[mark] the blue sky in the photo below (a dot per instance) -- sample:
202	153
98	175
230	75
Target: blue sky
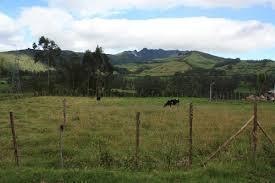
243	29
13	7
260	12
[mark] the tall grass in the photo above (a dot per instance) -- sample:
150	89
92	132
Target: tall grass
102	134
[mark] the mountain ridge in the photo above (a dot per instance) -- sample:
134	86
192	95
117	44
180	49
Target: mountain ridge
143	55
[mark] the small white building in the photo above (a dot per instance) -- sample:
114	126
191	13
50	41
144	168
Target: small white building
271	92
271	95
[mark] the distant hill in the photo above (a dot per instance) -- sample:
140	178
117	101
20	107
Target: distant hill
189	60
157	62
168	66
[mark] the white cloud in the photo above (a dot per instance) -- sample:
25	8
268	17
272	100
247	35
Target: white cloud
197	33
107	7
43	21
10	34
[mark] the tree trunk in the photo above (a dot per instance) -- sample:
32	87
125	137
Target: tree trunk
73	83
98	94
48	75
96	89
88	85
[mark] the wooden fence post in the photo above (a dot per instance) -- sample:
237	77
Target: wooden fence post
15	146
64	112
254	131
190	133
61	129
137	138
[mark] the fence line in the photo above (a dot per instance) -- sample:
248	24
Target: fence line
61	130
253	119
266	135
137	137
190	134
228	141
65	112
15	146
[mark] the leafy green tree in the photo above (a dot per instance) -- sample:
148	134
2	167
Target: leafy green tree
47	51
2	60
99	68
90	67
149	86
104	70
262	79
72	72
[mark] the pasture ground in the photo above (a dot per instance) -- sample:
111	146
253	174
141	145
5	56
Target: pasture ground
99	141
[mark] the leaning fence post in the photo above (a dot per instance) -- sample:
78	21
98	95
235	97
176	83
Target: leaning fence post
254	131
15	146
266	135
137	137
64	112
61	129
228	141
190	133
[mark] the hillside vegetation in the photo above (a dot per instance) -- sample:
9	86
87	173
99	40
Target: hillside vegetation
249	67
198	60
160	67
25	63
169	66
156	62
147	73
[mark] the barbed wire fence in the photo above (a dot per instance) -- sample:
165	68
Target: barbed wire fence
182	148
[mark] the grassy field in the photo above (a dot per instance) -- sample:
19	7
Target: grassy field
99	141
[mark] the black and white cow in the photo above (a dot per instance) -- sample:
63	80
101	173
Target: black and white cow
172	102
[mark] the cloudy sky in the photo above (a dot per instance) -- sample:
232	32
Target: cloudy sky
230	28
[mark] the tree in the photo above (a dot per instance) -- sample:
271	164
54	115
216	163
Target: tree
98	66
71	72
90	67
262	79
47	51
104	70
149	86
2	70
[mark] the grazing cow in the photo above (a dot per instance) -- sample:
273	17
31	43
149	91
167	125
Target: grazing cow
172	102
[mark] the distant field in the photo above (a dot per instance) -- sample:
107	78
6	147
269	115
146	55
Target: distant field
99	141
169	66
25	63
250	68
157	69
